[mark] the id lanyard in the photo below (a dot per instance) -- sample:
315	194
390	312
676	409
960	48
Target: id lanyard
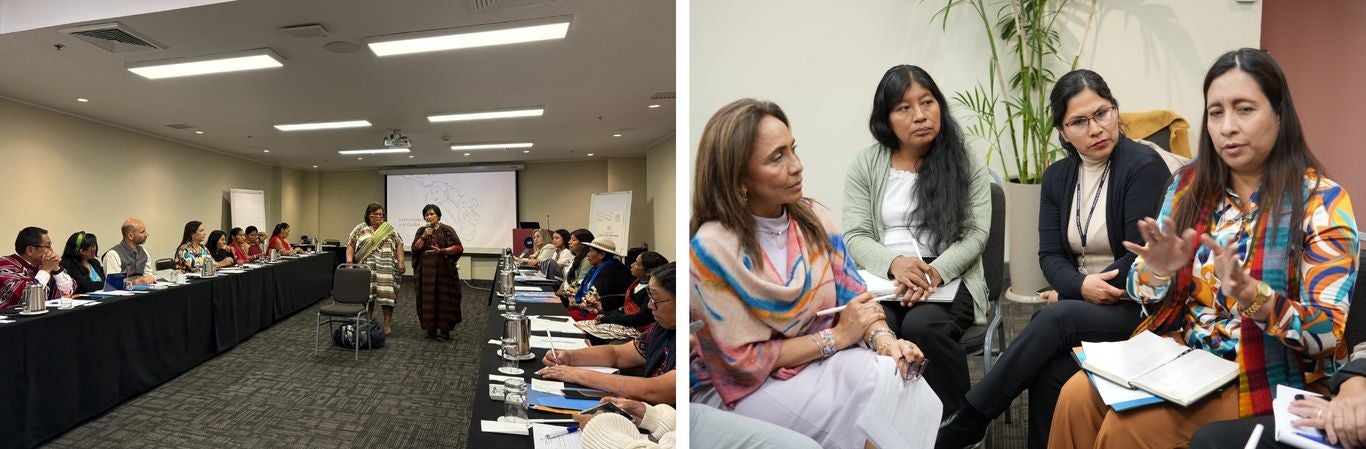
1082	229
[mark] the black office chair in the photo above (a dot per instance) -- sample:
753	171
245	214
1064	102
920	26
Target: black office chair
165	264
350	296
988	341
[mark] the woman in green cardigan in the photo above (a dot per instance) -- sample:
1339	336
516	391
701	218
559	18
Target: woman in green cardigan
916	210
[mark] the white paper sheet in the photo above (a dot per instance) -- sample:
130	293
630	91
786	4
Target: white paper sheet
539	432
1286	432
526	288
901	414
548	386
487	426
560	343
74	302
539	324
600	369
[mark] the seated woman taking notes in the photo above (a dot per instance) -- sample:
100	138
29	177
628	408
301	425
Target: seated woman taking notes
765	260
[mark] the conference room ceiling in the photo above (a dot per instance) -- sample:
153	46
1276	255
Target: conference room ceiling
596	82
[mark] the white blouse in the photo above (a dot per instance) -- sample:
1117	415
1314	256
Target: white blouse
898	204
772	236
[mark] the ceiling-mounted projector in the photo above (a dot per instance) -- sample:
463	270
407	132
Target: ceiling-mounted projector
396	140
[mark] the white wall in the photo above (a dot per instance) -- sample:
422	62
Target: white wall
560	189
68	174
662	199
821	60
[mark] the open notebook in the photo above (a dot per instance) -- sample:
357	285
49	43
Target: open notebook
1159	366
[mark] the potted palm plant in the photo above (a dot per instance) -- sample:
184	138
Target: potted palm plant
1010	113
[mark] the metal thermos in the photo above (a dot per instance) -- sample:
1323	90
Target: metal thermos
35	299
518	326
210	266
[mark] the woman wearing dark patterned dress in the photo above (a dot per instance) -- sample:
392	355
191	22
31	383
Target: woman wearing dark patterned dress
436	251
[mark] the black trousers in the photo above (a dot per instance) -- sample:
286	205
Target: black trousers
936	328
1040	359
1234	434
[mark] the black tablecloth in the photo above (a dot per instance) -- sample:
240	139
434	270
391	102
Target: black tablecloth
64	367
486	409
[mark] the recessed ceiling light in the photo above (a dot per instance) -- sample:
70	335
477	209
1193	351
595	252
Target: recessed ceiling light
82	100
492	146
267	151
411	156
526	151
360	158
590	154
248	60
654	106
468	37
322	125
315	166
485	115
467	154
199	132
616	135
375	151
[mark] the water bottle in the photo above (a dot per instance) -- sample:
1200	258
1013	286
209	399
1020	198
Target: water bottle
514	401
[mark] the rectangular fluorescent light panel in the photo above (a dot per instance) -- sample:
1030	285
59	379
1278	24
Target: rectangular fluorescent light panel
323	125
492	146
467	116
201	66
375	151
471	39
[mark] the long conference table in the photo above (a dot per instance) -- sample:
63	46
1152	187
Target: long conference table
66	366
488	409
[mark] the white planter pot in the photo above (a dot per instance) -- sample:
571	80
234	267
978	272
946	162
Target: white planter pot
1022	239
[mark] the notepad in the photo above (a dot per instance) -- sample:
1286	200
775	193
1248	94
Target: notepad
1115	395
1159	366
879	286
1286	431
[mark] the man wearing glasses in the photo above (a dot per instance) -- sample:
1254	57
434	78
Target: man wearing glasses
33	261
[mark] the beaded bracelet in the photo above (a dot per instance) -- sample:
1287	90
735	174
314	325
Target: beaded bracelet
872	336
826	341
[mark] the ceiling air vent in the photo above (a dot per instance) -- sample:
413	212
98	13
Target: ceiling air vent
179	126
113	37
478	6
663	96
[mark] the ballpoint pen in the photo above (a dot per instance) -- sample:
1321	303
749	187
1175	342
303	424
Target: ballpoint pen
560	433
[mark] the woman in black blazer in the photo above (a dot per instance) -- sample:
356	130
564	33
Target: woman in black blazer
1090	203
80	260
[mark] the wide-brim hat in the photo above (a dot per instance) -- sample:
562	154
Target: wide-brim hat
605	245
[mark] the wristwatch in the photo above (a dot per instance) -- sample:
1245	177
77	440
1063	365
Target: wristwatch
1264	294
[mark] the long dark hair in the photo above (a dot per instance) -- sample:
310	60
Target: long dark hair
649	260
278	229
584	237
722	165
71	255
214	237
943	180
1283	173
1070	85
564	235
190	229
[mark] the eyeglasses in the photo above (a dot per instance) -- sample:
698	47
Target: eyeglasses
650	292
1081	124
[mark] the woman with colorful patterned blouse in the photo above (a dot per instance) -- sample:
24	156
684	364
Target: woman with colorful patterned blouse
191	255
1253	257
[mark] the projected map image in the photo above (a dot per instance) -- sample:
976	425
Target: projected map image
482	207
